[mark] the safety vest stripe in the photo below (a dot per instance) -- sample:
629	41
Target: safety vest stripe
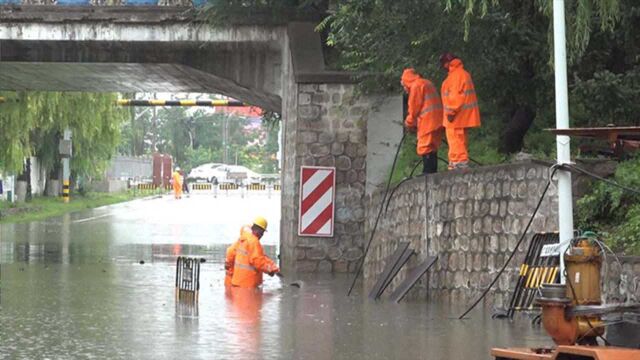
431	108
242	251
430	96
469	106
244	266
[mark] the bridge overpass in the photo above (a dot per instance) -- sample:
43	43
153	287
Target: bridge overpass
277	67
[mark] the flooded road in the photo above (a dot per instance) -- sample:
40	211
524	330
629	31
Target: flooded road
73	288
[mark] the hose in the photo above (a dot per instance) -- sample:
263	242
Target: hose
515	250
375	226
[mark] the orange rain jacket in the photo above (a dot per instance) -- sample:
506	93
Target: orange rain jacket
459	98
177	182
424	111
229	262
250	261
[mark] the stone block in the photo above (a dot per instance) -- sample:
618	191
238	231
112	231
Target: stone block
304	99
325	266
337	148
300	254
343	163
305	266
357	137
316	253
320	98
309	113
308	137
353	253
319	150
336	98
341	266
327	161
326	138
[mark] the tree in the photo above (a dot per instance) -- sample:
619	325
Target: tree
31	124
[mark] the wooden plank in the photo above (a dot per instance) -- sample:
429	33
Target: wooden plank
412	278
391	261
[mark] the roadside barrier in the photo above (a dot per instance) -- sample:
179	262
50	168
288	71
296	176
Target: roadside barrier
228	187
146	186
187	279
256	187
202	186
276	187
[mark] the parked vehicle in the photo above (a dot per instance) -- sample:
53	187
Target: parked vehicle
206	172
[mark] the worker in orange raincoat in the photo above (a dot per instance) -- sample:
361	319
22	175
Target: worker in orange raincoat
461	110
177	183
424	116
250	261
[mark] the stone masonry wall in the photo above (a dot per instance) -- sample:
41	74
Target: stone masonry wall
472	221
330	129
622	280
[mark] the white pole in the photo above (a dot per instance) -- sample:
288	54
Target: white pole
565	205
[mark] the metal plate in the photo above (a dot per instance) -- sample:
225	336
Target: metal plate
412	278
391	262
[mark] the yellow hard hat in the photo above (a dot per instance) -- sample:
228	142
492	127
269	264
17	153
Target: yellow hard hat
260	222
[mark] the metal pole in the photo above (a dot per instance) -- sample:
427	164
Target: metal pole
565	205
66	170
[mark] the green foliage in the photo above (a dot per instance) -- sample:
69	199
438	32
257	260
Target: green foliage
613	211
195	136
31	124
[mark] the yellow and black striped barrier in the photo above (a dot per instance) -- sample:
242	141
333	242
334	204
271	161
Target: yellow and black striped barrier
276	187
65	191
536	269
146	187
228	187
202	186
256	187
154	102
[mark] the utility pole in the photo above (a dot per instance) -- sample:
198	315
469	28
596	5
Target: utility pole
65	149
565	204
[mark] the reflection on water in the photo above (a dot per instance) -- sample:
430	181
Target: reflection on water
77	290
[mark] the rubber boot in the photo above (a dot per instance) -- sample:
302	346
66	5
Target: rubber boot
430	163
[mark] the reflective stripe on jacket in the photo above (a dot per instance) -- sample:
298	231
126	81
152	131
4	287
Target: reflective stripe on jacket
459	98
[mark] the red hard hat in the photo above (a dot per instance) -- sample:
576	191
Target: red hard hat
447	57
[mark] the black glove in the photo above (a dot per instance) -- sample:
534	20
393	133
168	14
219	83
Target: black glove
450	117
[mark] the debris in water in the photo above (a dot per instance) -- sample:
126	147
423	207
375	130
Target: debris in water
203	260
141	262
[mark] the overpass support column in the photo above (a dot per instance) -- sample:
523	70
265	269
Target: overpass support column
326	124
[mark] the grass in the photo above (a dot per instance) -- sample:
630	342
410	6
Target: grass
40	208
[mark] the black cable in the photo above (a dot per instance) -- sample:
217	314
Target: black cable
375	226
598	177
400	183
515	250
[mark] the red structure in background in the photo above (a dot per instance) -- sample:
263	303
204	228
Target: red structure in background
244	111
162	164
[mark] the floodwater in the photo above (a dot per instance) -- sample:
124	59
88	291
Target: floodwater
73	288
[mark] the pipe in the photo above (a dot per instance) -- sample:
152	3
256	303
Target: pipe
563	145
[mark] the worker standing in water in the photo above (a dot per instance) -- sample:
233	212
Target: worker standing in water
461	110
424	116
177	183
249	260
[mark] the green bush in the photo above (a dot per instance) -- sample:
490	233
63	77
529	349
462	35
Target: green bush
613	212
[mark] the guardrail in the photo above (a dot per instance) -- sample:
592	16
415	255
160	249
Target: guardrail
233	189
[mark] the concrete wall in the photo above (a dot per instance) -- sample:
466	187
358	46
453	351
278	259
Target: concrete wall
127	167
108	186
472	221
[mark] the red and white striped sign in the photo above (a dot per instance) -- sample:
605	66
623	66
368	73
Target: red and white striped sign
317	194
